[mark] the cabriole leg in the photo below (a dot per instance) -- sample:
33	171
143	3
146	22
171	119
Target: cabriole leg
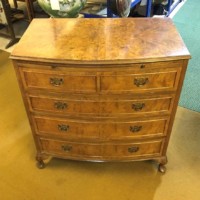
161	168
40	162
161	164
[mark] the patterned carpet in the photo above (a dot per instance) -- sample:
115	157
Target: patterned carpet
187	21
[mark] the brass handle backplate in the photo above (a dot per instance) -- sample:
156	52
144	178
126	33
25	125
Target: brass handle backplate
139	82
133	149
60	105
142	66
135	129
63	127
138	106
66	148
56	81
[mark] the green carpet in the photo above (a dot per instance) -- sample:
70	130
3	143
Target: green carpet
187	21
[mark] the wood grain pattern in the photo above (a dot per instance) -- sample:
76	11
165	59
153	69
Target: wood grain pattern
65	82
128	83
101	41
100	130
102	151
100	106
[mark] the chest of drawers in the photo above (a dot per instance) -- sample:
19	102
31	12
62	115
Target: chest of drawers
101	89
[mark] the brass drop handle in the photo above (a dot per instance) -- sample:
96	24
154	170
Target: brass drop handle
142	66
139	82
138	106
133	149
63	127
56	81
60	105
66	148
135	129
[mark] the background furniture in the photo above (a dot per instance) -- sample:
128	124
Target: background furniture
101	89
6	20
29	7
111	14
171	5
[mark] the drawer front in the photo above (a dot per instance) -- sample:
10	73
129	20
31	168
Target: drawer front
102	151
71	129
63	106
134	129
103	107
67	128
133	83
56	81
133	149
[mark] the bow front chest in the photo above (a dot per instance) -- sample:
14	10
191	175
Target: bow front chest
101	89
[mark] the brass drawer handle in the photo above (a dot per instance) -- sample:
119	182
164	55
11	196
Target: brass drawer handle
56	81
63	127
60	105
133	149
139	82
135	129
138	106
66	148
142	66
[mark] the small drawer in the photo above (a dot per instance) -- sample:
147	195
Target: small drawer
101	107
101	130
59	81
137	106
105	151
148	148
63	105
145	82
134	129
67	128
70	148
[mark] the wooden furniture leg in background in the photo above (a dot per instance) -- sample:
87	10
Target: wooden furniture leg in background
7	12
29	8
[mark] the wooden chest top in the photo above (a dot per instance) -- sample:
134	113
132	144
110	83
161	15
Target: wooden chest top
89	41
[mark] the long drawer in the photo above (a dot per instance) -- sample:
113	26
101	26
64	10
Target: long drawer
100	130
104	151
80	106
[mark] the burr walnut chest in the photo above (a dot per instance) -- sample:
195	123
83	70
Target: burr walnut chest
101	89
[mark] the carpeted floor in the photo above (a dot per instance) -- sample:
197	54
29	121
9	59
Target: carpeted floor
187	21
64	179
